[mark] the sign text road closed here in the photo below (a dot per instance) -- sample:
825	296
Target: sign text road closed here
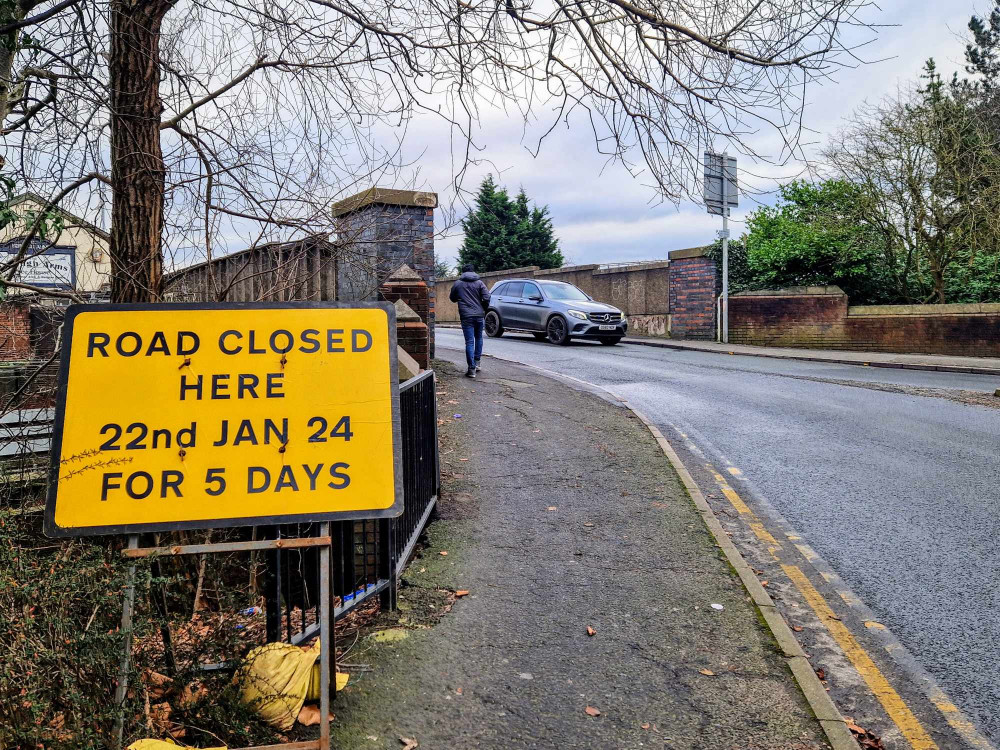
187	416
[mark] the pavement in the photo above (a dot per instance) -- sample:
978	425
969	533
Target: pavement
938	362
887	478
559	513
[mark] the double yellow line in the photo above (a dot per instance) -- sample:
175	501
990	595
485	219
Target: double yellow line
894	705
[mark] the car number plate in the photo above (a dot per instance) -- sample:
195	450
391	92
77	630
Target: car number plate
607	328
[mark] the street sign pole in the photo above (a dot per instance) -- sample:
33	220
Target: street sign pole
725	254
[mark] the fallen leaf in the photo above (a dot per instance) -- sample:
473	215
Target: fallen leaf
443	553
309	716
552	507
159	715
797	628
591	631
821	673
645	726
463	459
588	524
591	711
763	583
707	672
460	593
191	694
158	683
452	401
409	743
458	691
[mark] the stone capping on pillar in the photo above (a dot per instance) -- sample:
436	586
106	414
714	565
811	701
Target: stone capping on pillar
385	197
405	313
689	252
404	274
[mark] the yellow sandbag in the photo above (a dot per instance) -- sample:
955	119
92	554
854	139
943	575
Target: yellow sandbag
159	745
274	679
313	693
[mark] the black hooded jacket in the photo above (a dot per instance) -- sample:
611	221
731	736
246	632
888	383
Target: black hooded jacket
471	294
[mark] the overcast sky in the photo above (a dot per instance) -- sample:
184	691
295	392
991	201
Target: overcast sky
604	215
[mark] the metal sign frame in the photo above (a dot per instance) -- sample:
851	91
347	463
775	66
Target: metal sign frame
35	250
49	525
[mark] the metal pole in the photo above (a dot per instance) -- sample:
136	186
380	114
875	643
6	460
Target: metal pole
325	635
122	689
725	251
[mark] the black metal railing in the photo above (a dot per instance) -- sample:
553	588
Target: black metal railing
367	555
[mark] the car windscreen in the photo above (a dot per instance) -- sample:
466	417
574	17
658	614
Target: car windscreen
563	291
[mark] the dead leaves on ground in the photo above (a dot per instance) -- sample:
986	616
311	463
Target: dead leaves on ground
590	631
409	743
707	672
866	740
591	711
460	593
310	715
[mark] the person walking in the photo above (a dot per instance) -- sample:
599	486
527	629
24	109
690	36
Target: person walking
473	300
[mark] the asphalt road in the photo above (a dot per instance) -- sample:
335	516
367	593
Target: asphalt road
891	475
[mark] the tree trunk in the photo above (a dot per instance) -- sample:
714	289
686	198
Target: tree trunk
937	275
137	170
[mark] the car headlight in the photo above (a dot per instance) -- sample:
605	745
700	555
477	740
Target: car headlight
577	314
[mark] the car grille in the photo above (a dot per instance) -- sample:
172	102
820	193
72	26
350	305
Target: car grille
604	317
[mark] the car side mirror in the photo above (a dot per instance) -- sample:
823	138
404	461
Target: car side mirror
535	298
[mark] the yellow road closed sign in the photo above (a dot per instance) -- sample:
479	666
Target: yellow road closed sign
195	416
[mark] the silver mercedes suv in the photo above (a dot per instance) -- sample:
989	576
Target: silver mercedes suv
552	310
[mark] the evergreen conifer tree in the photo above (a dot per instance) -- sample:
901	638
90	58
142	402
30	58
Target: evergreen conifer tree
501	233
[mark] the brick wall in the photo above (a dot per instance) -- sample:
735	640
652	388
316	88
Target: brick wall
820	318
692	297
15	331
412	336
411	294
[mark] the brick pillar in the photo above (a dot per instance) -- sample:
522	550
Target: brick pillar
411	295
381	230
692	294
15	330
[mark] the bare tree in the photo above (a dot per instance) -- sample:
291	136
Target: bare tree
928	168
208	117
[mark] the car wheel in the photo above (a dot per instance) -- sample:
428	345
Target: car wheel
611	341
494	328
556	331
540	336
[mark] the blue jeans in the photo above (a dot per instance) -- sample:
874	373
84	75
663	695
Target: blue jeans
472	329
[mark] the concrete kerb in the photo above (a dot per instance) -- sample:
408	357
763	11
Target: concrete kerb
827	713
806	358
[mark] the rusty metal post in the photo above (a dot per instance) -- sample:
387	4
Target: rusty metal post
122	688
325	638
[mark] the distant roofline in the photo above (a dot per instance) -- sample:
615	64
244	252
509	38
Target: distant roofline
76	220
